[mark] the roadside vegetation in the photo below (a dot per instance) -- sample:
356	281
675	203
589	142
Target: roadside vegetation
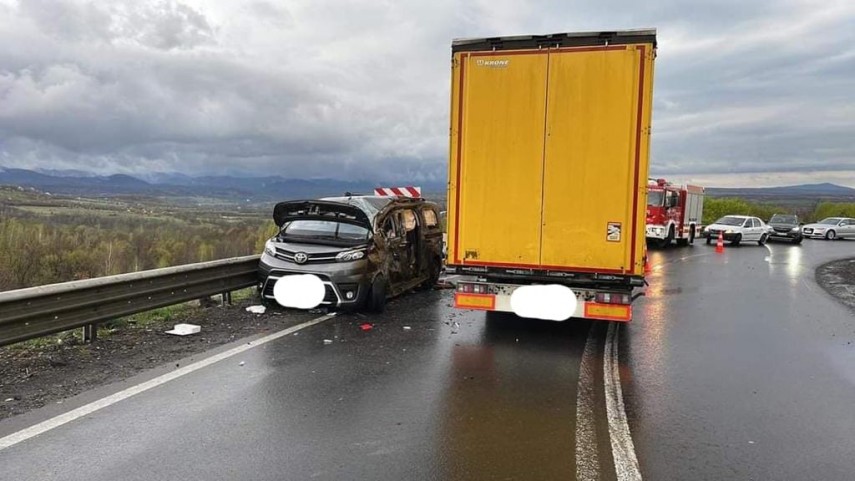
46	240
715	208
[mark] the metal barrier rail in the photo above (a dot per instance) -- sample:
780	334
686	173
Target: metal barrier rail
39	311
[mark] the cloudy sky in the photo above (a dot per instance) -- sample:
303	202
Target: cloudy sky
757	92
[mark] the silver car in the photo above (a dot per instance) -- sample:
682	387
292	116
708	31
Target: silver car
831	228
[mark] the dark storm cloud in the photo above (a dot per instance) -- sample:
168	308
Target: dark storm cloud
360	89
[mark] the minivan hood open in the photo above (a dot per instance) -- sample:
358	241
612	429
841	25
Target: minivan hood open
285	212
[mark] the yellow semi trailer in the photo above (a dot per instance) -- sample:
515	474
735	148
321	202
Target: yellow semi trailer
548	172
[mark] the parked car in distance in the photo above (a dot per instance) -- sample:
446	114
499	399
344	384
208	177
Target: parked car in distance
738	228
831	228
362	249
785	227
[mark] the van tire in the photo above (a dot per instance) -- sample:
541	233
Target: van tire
376	300
435	272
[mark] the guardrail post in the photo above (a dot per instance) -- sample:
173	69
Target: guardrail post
90	332
227	298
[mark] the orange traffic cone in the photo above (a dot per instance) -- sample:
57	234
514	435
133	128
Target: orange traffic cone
719	245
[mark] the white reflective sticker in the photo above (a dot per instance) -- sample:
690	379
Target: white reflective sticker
551	302
304	291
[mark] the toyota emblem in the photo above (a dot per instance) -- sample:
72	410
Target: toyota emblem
301	257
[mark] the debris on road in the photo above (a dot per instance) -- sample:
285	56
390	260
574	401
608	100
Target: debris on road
185	329
327	342
455	328
366	326
407	328
241	363
256	309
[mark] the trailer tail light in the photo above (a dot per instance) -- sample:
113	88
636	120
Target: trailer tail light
613	298
470	288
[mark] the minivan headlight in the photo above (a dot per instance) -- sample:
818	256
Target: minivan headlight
350	256
269	248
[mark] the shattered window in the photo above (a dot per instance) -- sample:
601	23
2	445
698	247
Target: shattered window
430	217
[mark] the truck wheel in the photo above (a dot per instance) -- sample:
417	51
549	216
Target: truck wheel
831	235
666	242
376	300
762	240
736	240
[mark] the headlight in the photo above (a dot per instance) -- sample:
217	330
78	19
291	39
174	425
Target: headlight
350	256
729	231
269	248
794	229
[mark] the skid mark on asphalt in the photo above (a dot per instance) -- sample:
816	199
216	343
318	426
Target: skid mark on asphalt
623	450
587	460
90	408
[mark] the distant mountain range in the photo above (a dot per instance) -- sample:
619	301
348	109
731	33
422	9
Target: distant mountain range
259	189
178	185
825	190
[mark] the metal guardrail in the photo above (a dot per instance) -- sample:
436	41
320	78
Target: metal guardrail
39	311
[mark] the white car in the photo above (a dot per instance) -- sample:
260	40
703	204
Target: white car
738	228
831	228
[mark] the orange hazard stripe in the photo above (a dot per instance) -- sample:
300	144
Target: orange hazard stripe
485	302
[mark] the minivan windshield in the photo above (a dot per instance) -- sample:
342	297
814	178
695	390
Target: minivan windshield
783	219
729	220
324	230
830	221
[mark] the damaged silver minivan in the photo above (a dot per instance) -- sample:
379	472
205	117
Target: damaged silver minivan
362	250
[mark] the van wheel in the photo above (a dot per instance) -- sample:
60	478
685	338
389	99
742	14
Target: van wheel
435	271
376	301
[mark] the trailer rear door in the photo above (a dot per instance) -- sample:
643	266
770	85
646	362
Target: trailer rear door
592	200
500	182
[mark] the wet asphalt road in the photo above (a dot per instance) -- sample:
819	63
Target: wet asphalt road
737	366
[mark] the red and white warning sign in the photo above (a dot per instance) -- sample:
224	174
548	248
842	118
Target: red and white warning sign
408	191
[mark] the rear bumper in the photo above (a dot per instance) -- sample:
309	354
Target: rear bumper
498	298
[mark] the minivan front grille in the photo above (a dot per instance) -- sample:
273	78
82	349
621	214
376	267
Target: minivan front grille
316	258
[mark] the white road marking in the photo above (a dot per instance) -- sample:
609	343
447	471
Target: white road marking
587	460
90	408
623	450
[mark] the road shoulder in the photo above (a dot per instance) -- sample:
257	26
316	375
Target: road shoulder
838	279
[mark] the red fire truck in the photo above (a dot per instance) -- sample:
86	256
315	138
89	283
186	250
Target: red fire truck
674	212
